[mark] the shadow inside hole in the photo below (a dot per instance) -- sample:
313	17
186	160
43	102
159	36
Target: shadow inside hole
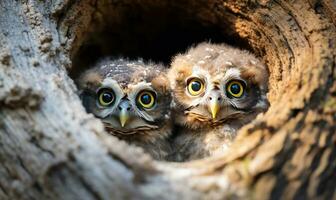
155	34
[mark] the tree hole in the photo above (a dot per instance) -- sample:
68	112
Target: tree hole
154	31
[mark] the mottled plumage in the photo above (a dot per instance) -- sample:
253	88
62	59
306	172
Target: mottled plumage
132	98
216	90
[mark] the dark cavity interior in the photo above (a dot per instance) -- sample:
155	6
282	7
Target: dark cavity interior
153	31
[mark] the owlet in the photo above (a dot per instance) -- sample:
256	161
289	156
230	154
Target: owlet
132	98
216	90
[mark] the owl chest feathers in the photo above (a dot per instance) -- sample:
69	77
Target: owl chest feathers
153	141
199	143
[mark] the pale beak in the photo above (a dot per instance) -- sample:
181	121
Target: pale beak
214	103
124	109
123	117
214	108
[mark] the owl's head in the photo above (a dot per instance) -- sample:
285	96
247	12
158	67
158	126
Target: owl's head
129	96
217	84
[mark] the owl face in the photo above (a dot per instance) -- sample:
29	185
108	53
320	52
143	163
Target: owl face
128	96
216	84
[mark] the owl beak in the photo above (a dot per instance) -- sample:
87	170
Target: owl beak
214	104
123	117
124	108
214	108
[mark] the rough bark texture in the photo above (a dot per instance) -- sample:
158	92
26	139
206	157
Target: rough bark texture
51	149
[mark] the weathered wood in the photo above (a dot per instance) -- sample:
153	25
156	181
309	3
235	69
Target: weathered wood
51	149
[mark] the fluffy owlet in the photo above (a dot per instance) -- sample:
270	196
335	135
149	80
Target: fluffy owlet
133	99
216	90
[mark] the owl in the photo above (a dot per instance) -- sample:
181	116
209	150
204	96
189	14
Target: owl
216	90
132	98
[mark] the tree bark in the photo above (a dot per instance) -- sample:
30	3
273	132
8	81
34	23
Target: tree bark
50	148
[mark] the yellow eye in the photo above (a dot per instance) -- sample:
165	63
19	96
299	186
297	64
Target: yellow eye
146	99
195	86
235	89
105	97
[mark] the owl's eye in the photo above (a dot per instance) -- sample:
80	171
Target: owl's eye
146	99
105	97
195	86
235	89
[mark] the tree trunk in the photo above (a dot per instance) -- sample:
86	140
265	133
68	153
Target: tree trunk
50	148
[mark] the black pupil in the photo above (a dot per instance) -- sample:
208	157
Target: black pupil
235	88
196	86
107	97
146	99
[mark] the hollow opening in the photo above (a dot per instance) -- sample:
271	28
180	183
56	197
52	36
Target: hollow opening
153	31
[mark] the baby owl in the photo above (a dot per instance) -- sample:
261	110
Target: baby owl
216	89
133	99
